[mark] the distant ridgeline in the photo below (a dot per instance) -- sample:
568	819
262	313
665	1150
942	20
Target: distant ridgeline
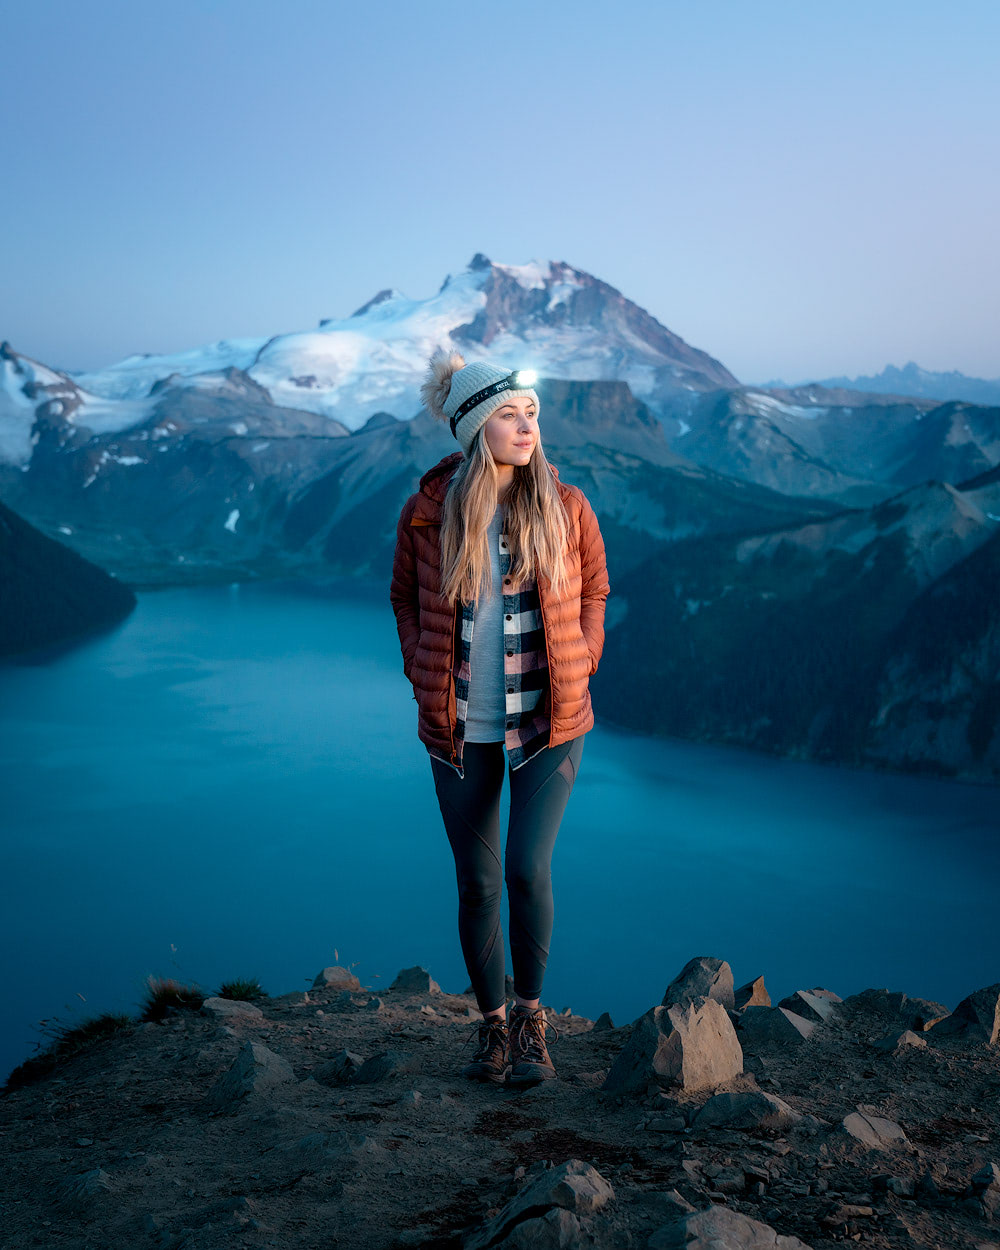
48	593
810	570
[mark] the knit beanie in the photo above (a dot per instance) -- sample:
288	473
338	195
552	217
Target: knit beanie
451	389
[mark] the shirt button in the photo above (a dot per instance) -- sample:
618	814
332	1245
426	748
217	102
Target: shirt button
509	617
510	689
510	652
506	581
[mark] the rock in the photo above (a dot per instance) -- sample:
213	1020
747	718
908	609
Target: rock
987	1177
898	1043
412	1098
233	1010
902	1186
763	1026
750	1109
602	1022
667	1124
927	1189
895	1008
317	1152
975	1019
555	1230
872	1131
374	1004
752	994
985	1187
254	1071
691	1046
378	1067
816	1005
337	978
339	1070
701	977
719	1228
670	1203
575	1187
415	980
78	1193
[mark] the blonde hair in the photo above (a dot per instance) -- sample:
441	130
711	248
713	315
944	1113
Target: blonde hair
536	524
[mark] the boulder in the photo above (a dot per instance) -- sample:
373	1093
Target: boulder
747	1109
336	978
719	1228
415	980
317	1153
575	1187
692	1046
79	1193
339	1070
872	1131
255	1070
752	994
231	1010
816	1005
701	977
975	1019
766	1026
895	1009
897	1043
386	1063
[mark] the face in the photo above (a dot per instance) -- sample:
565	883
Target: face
512	431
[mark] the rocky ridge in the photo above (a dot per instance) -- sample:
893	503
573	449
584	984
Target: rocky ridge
336	1116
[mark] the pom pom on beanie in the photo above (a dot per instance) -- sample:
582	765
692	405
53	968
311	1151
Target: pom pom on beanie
441	367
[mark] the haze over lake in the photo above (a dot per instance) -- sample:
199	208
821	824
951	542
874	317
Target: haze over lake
229	783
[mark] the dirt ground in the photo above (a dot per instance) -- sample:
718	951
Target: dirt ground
133	1143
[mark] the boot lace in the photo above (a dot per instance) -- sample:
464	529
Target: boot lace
488	1030
527	1035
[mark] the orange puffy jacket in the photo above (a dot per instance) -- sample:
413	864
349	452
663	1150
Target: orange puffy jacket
573	621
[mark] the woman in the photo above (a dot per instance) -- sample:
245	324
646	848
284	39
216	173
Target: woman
499	584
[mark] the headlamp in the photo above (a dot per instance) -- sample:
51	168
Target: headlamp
519	380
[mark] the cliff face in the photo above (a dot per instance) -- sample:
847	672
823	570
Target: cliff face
338	1117
48	593
866	638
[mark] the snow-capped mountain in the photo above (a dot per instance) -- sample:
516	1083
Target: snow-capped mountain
545	315
914	381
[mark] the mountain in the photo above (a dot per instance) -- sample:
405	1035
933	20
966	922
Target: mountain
231	487
870	637
48	594
914	381
837	445
544	315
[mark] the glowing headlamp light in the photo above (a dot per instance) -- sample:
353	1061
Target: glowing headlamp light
519	380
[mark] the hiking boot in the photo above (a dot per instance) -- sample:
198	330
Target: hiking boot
530	1062
490	1061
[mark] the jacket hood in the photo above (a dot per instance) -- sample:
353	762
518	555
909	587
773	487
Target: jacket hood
434	482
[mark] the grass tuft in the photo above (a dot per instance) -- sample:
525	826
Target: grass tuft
66	1042
244	990
166	997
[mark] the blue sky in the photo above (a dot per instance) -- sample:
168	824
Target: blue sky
799	189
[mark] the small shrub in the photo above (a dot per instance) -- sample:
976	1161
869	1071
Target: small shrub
67	1041
244	990
166	997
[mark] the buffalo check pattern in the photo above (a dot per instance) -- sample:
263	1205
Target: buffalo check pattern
525	667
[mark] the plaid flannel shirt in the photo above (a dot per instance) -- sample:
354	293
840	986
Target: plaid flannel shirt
525	667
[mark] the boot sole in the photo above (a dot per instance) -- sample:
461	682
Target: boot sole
531	1078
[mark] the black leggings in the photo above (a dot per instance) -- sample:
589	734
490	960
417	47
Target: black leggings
470	806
